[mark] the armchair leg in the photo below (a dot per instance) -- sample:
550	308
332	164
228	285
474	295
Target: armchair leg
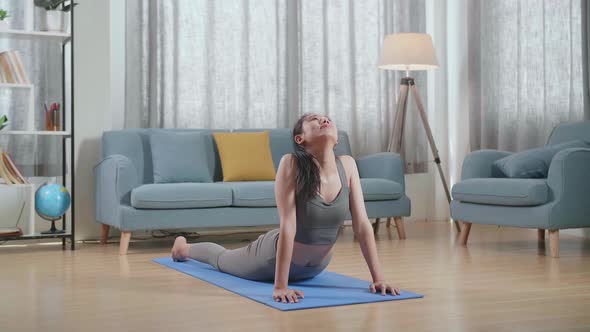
104	233
399	224
388	222
125	237
465	228
541	234
554	243
376	226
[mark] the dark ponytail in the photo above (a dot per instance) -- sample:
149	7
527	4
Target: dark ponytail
308	172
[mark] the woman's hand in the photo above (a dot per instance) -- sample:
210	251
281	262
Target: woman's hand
383	287
286	294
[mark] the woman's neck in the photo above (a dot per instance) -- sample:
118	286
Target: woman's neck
324	155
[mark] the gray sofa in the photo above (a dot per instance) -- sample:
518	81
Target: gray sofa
127	197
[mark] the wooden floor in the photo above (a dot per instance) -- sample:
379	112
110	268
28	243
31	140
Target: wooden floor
502	282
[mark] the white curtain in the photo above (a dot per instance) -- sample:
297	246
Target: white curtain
263	63
511	71
42	60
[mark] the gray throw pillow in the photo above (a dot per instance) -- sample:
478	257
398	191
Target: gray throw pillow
181	156
534	163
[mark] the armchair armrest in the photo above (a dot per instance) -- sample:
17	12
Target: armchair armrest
115	176
479	164
383	165
569	181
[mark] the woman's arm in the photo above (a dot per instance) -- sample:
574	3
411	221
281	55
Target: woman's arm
362	226
285	198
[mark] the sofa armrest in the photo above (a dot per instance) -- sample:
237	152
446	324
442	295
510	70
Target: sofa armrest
569	181
479	164
383	165
115	176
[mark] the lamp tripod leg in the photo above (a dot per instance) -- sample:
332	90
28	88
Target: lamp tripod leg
432	145
395	142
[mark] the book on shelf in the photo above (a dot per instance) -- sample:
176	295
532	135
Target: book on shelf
8	170
12	69
10	232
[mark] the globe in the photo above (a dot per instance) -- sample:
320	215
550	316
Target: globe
52	201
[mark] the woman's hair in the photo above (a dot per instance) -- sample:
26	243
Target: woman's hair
308	172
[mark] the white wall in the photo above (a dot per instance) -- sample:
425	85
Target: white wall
96	62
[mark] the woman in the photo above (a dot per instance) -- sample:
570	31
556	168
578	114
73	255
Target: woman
314	192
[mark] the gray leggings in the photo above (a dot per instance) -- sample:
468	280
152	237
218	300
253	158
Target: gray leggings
255	261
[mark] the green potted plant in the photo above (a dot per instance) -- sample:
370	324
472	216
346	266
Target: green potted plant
3	122
3	16
54	18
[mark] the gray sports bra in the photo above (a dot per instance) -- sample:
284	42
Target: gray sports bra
318	222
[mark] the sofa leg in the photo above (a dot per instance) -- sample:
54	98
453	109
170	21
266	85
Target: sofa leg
388	222
399	225
541	234
125	237
554	243
376	226
465	228
104	233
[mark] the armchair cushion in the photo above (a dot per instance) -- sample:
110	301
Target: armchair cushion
381	189
534	163
506	192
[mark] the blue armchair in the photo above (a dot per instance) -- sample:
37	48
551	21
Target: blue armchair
561	200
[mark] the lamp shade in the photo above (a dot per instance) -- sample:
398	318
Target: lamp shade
408	51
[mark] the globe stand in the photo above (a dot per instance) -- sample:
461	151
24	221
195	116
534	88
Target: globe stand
53	229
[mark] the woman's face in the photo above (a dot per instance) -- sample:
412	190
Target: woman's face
317	128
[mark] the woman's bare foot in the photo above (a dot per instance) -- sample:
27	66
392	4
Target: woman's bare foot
180	249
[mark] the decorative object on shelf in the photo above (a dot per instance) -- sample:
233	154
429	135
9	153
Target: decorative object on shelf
3	16
12	69
3	122
8	170
51	203
53	117
55	17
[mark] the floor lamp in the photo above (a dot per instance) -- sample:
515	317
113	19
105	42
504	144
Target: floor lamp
409	52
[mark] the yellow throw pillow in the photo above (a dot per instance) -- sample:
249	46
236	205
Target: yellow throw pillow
245	156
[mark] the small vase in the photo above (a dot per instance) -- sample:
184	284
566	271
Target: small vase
3	25
53	20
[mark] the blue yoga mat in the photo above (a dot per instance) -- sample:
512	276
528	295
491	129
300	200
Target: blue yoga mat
327	289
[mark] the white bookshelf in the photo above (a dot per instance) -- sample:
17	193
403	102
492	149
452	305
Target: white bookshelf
15	195
35	132
32	35
30	125
16	86
12	197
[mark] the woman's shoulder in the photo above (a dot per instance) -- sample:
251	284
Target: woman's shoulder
349	165
288	163
347	161
288	159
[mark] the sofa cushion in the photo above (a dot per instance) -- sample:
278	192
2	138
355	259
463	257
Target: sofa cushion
180	157
534	163
381	189
181	195
281	142
245	156
253	193
498	191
